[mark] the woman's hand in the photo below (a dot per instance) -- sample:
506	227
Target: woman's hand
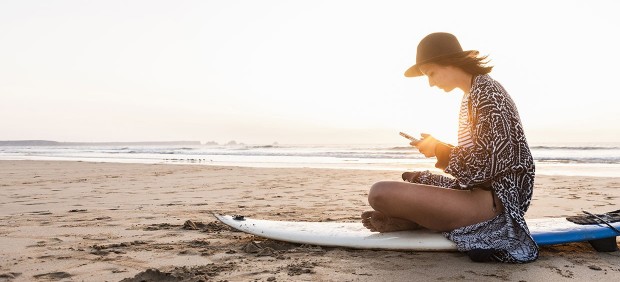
411	176
426	145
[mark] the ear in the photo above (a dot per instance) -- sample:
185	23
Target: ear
454	69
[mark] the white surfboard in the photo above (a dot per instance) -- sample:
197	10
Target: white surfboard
546	231
340	234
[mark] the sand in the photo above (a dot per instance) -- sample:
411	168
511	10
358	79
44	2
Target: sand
82	221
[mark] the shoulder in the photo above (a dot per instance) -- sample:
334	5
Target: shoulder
485	88
484	84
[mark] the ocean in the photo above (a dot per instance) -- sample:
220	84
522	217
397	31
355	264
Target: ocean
600	160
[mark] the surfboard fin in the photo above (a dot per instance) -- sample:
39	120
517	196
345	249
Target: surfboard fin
605	244
482	255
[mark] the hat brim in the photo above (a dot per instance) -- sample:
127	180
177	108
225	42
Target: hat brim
414	70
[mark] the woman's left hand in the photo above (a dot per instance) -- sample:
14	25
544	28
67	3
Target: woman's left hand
427	145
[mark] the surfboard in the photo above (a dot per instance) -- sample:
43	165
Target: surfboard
545	231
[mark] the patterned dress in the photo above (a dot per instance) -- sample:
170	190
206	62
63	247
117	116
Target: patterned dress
494	156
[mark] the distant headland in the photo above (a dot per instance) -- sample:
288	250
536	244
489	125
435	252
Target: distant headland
56	143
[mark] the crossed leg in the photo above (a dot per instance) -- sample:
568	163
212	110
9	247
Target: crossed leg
379	222
402	206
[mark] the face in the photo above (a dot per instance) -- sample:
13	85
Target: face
441	76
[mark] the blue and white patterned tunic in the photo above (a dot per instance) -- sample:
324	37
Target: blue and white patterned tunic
497	156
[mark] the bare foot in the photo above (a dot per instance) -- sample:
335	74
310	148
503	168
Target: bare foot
378	222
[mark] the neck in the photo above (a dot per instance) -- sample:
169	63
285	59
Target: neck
465	82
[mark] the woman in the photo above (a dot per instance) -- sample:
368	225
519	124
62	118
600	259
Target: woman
481	207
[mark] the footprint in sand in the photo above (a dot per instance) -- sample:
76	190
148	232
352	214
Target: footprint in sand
53	275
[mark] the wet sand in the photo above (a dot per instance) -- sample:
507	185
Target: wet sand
85	221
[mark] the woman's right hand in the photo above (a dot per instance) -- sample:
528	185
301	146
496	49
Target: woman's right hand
426	145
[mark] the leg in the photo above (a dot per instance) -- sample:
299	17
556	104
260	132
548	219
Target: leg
432	207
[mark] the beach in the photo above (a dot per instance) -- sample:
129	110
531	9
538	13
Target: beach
93	221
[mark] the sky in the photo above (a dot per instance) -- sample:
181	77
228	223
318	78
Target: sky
295	72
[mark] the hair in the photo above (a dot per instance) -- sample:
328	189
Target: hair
469	62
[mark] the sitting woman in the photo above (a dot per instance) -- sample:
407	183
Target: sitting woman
482	206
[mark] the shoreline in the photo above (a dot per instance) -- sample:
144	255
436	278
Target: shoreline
112	221
542	168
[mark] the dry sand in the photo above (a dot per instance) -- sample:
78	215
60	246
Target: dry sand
80	221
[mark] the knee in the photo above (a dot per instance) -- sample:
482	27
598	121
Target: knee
378	193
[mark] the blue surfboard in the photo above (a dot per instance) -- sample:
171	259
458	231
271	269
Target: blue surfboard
600	230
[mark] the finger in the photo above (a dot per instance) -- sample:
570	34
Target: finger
424	135
405	175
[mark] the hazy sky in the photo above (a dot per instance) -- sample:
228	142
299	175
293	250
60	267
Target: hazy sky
295	71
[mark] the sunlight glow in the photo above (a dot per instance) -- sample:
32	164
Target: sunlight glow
294	71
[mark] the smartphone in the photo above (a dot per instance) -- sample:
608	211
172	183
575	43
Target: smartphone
409	137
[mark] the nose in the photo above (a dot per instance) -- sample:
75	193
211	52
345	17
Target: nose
430	82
